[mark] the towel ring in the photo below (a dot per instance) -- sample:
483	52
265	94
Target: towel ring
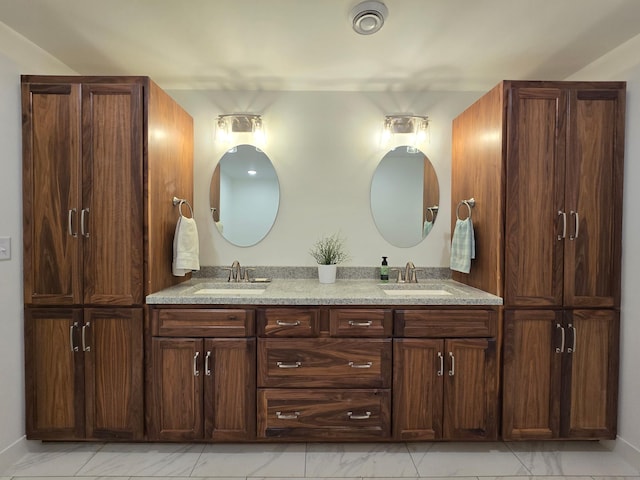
430	210
469	203
180	202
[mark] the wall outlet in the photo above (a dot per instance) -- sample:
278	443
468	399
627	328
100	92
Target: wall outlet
5	248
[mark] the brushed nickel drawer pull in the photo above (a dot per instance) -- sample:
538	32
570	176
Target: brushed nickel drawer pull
441	371
74	347
85	347
353	323
207	369
70	222
84	231
287	416
576	225
564	224
452	372
364	416
572	349
289	365
196	372
282	323
560	349
360	365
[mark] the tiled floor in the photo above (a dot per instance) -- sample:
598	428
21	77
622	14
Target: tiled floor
578	460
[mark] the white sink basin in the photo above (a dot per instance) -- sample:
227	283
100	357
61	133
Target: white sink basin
420	292
230	291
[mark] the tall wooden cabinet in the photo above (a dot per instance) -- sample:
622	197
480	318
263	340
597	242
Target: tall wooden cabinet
544	161
102	159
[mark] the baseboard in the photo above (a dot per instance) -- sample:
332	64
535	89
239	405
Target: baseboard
14	452
630	453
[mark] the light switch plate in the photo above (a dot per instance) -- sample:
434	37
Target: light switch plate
5	248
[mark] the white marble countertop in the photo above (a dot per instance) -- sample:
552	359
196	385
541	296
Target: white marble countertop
311	292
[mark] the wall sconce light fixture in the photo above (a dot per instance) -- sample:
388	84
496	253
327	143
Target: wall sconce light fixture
233	123
413	126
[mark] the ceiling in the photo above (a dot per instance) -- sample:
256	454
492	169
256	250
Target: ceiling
309	44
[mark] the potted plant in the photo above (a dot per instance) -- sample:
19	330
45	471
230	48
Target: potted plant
328	251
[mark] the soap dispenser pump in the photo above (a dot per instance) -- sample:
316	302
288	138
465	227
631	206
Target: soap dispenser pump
384	270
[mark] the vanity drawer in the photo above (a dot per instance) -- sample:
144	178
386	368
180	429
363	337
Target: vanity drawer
360	322
324	362
445	323
324	414
288	322
202	322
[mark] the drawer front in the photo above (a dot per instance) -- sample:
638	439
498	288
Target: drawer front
445	323
324	362
289	322
360	322
323	414
202	322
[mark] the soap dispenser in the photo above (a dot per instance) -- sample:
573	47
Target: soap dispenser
384	270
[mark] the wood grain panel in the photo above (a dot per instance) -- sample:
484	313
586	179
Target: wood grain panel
288	322
361	322
205	322
445	323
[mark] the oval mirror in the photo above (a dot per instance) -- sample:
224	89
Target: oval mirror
244	195
404	196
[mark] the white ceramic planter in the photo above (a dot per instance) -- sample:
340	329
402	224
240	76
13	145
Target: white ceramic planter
327	273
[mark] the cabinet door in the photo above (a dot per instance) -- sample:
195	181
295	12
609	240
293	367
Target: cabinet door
534	341
470	390
54	374
230	388
112	207
535	175
594	198
590	376
418	370
51	194
176	384
112	343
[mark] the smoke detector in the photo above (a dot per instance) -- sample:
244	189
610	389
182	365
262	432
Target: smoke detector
368	17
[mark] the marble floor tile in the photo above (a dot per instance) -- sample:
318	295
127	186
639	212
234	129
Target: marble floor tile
571	458
359	460
143	459
251	460
465	459
54	459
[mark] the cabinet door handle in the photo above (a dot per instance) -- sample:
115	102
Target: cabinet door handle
207	358
282	323
363	416
452	372
360	365
287	416
83	222
196	372
353	323
564	224
72	343
441	371
560	349
70	215
289	365
85	347
572	349
576	225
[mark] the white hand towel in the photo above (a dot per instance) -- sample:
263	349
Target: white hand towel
463	246
426	228
185	247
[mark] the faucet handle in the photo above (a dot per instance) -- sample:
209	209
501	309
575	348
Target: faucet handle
399	278
247	278
230	270
414	277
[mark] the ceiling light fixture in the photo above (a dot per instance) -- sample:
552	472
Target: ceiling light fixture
415	126
368	17
232	123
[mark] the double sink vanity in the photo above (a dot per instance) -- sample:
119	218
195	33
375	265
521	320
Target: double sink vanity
296	360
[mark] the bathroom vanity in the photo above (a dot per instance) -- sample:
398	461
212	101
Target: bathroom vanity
301	361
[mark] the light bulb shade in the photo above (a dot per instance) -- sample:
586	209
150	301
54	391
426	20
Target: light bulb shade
239	123
412	126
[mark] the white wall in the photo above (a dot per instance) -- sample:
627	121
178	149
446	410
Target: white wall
325	148
623	64
16	57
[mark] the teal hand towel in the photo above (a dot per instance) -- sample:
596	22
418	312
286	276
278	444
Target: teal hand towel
463	246
426	228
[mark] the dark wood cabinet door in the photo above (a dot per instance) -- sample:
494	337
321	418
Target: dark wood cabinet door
470	390
112	343
534	214
418	371
176	384
112	210
594	182
54	374
51	143
230	388
534	343
590	374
